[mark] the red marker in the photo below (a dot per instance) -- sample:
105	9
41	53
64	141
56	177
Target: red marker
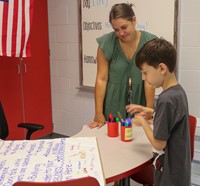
111	117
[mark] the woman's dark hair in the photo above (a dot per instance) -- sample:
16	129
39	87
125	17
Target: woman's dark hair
121	10
155	52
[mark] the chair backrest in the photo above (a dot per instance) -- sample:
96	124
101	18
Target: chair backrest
193	123
3	124
86	181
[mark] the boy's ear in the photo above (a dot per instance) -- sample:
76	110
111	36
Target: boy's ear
163	68
134	19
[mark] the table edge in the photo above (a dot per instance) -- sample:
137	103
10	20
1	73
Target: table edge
129	172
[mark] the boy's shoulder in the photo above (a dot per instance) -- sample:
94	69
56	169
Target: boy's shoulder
174	88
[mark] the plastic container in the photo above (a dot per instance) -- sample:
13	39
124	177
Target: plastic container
113	129
126	133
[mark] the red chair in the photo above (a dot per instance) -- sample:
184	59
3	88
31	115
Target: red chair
145	176
193	124
86	181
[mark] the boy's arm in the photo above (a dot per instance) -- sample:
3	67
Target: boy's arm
157	144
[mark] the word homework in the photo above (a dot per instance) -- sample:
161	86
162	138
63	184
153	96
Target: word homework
49	160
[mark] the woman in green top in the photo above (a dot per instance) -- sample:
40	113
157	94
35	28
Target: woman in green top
116	67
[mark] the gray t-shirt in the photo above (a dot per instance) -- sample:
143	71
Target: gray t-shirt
171	124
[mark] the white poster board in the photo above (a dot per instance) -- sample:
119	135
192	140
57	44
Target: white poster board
155	16
49	160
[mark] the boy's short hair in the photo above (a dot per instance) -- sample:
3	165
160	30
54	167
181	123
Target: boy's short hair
155	52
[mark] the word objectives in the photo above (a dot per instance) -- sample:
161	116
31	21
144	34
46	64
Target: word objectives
92	26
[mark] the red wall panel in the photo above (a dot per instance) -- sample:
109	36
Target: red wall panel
27	96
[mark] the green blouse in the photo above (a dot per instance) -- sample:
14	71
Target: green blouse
120	69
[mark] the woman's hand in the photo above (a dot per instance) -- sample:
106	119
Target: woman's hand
99	121
135	109
140	111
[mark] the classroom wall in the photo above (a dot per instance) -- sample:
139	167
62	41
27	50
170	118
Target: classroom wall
72	108
189	68
189	50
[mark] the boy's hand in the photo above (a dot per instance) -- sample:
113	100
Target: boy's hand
138	120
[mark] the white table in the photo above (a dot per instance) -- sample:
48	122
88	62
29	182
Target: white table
120	159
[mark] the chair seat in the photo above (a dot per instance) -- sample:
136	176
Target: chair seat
86	181
145	176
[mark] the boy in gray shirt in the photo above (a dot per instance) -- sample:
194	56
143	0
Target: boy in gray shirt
170	134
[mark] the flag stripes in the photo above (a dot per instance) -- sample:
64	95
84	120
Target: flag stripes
15	22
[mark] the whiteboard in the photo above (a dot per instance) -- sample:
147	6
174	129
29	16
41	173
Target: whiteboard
155	16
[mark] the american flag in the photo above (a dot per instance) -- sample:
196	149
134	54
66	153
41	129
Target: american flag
15	23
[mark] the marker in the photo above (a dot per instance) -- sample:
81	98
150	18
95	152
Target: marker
120	116
129	121
111	118
117	119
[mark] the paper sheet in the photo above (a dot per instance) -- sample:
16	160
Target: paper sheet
49	160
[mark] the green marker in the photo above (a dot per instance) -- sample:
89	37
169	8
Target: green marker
117	119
